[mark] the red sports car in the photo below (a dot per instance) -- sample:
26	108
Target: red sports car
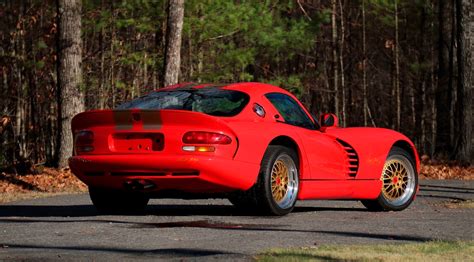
252	143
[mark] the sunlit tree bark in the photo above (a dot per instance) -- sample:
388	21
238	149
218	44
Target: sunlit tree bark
173	41
70	93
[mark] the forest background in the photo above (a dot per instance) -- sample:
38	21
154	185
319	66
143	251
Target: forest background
400	64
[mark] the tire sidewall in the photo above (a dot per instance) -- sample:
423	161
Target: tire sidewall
272	154
382	200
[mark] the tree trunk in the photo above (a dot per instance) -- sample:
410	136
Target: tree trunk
433	89
112	57
102	85
334	56
442	146
364	65
70	95
421	121
397	70
341	63
451	94
173	41
465	41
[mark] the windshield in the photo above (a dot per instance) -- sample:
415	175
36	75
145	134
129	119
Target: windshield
209	100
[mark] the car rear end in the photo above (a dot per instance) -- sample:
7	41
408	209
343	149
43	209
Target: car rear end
138	147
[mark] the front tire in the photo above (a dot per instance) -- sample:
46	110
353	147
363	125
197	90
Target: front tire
108	201
399	183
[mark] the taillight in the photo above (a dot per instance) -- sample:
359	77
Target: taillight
83	141
200	137
199	148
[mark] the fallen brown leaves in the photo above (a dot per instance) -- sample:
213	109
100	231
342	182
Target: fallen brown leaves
446	171
459	204
49	180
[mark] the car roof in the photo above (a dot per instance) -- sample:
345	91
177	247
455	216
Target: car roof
251	88
255	88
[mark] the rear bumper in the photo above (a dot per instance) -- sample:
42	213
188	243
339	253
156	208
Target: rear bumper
194	174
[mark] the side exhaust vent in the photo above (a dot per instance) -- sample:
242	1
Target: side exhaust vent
352	158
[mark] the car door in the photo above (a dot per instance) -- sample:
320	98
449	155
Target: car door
325	155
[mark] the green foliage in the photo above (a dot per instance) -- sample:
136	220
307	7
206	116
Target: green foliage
120	84
233	37
291	83
227	41
383	10
276	41
41	44
39	64
417	67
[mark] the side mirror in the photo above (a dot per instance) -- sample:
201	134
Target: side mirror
329	120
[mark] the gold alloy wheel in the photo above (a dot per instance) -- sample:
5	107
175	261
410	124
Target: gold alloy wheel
396	178
280	178
284	181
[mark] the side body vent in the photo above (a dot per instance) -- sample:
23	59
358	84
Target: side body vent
352	158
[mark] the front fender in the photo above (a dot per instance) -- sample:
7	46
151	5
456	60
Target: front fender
373	146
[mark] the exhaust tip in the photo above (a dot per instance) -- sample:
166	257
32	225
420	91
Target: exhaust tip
138	185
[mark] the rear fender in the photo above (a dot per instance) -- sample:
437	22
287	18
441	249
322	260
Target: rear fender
254	139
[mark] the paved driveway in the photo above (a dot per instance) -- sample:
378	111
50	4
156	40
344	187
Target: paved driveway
68	227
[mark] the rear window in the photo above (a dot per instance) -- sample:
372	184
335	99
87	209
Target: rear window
209	100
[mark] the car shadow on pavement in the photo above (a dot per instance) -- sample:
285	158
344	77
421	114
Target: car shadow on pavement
441	197
447	189
426	187
231	226
272	228
446	193
157	210
305	209
47	211
162	252
221	225
227	210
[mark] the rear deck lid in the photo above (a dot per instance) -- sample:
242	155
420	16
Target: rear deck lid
138	131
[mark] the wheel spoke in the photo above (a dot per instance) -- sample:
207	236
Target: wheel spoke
391	189
283	175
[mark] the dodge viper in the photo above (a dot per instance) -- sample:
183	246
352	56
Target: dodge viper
252	143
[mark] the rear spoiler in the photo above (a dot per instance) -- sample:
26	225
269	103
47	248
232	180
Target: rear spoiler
151	120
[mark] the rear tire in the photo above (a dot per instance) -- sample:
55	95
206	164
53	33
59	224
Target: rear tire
270	196
399	183
277	188
109	201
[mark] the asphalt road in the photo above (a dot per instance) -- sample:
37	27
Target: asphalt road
69	228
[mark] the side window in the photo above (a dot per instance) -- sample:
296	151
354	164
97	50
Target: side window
290	110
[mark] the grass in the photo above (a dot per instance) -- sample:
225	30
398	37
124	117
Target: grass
428	251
